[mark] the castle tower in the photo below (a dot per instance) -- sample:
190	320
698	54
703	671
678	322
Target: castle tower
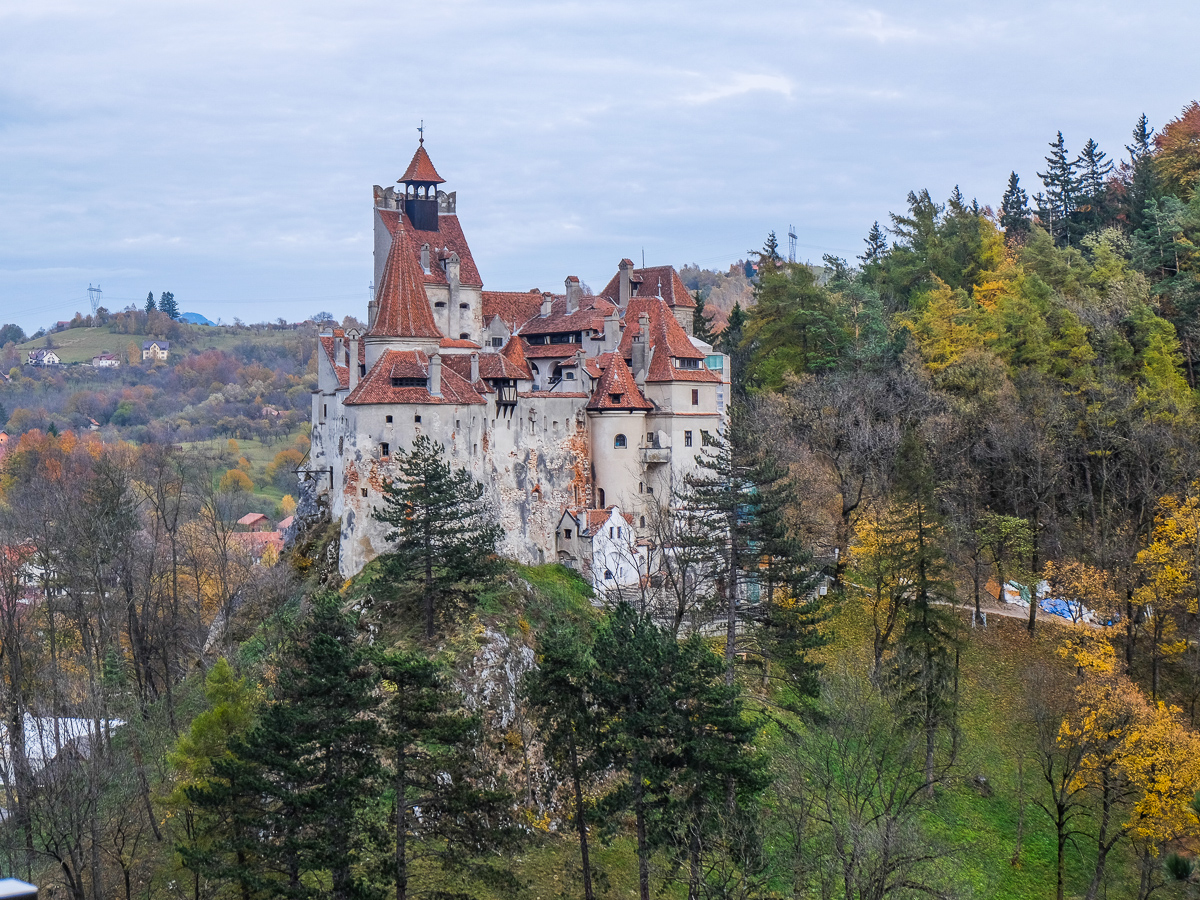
420	182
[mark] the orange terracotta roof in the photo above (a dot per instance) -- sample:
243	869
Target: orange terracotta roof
617	389
597	517
404	309
342	371
458	344
449	238
421	169
513	308
648	282
251	519
668	340
588	317
514	352
550	351
376	386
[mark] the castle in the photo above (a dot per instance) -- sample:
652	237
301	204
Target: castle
577	412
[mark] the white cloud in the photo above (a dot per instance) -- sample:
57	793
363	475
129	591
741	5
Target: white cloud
740	83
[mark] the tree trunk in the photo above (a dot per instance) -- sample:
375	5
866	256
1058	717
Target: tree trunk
580	822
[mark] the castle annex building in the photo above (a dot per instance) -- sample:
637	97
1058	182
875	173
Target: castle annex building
576	412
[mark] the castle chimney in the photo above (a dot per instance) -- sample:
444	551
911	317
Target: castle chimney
626	269
612	330
547	299
435	375
574	291
474	367
640	344
352	341
338	349
425	259
372	312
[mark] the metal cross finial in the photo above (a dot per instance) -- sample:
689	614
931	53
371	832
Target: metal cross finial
421	130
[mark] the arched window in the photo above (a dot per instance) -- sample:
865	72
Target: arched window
464	336
619	442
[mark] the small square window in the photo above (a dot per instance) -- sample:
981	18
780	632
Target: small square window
695	396
417	419
388	419
384	449
364	492
567	533
687	439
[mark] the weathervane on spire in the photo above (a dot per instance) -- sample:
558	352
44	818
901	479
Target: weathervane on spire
421	131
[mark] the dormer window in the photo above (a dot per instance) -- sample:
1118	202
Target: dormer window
409	382
687	363
615	398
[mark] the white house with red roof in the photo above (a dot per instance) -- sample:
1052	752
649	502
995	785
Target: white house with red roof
553	401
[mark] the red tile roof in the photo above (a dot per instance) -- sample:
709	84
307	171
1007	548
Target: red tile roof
617	389
421	169
449	238
376	386
588	317
513	308
668	340
404	309
458	344
342	371
597	517
514	352
550	351
649	282
252	519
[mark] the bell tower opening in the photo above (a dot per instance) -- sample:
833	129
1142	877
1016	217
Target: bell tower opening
420	182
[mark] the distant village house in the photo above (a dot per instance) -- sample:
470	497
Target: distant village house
156	349
43	357
105	361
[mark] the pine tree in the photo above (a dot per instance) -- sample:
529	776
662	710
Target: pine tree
167	304
923	674
729	342
701	323
1014	210
441	809
444	538
560	694
769	253
151	306
1139	174
1062	190
1094	169
287	797
877	245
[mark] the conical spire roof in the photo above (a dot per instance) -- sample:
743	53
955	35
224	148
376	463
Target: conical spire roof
421	169
403	304
617	388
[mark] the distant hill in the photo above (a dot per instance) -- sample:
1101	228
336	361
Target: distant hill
195	319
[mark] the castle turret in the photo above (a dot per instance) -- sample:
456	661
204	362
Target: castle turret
420	182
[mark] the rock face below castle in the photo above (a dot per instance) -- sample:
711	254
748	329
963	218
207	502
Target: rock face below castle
576	412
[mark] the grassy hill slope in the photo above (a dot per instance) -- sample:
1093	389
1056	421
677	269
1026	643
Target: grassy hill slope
79	345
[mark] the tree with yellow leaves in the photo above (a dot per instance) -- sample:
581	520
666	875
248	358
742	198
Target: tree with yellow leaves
1170	577
1083	587
941	322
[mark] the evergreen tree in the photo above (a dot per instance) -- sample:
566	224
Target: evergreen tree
444	538
1062	192
1139	175
769	253
560	694
729	341
1014	210
287	797
151	306
441	810
701	323
792	328
1094	169
877	245
734	498
924	667
167	304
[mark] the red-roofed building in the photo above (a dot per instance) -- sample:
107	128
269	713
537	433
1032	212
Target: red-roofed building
553	401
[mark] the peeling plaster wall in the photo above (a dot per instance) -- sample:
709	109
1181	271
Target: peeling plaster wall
532	461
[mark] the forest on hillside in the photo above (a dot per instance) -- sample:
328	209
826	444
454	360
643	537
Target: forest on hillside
820	692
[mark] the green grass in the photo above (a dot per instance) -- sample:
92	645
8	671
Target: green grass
79	345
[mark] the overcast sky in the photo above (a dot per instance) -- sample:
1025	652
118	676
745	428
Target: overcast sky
225	151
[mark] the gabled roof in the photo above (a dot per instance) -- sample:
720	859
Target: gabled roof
667	339
617	389
449	238
404	309
588	317
252	519
649	282
514	309
340	369
514	352
597	517
421	169
376	386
